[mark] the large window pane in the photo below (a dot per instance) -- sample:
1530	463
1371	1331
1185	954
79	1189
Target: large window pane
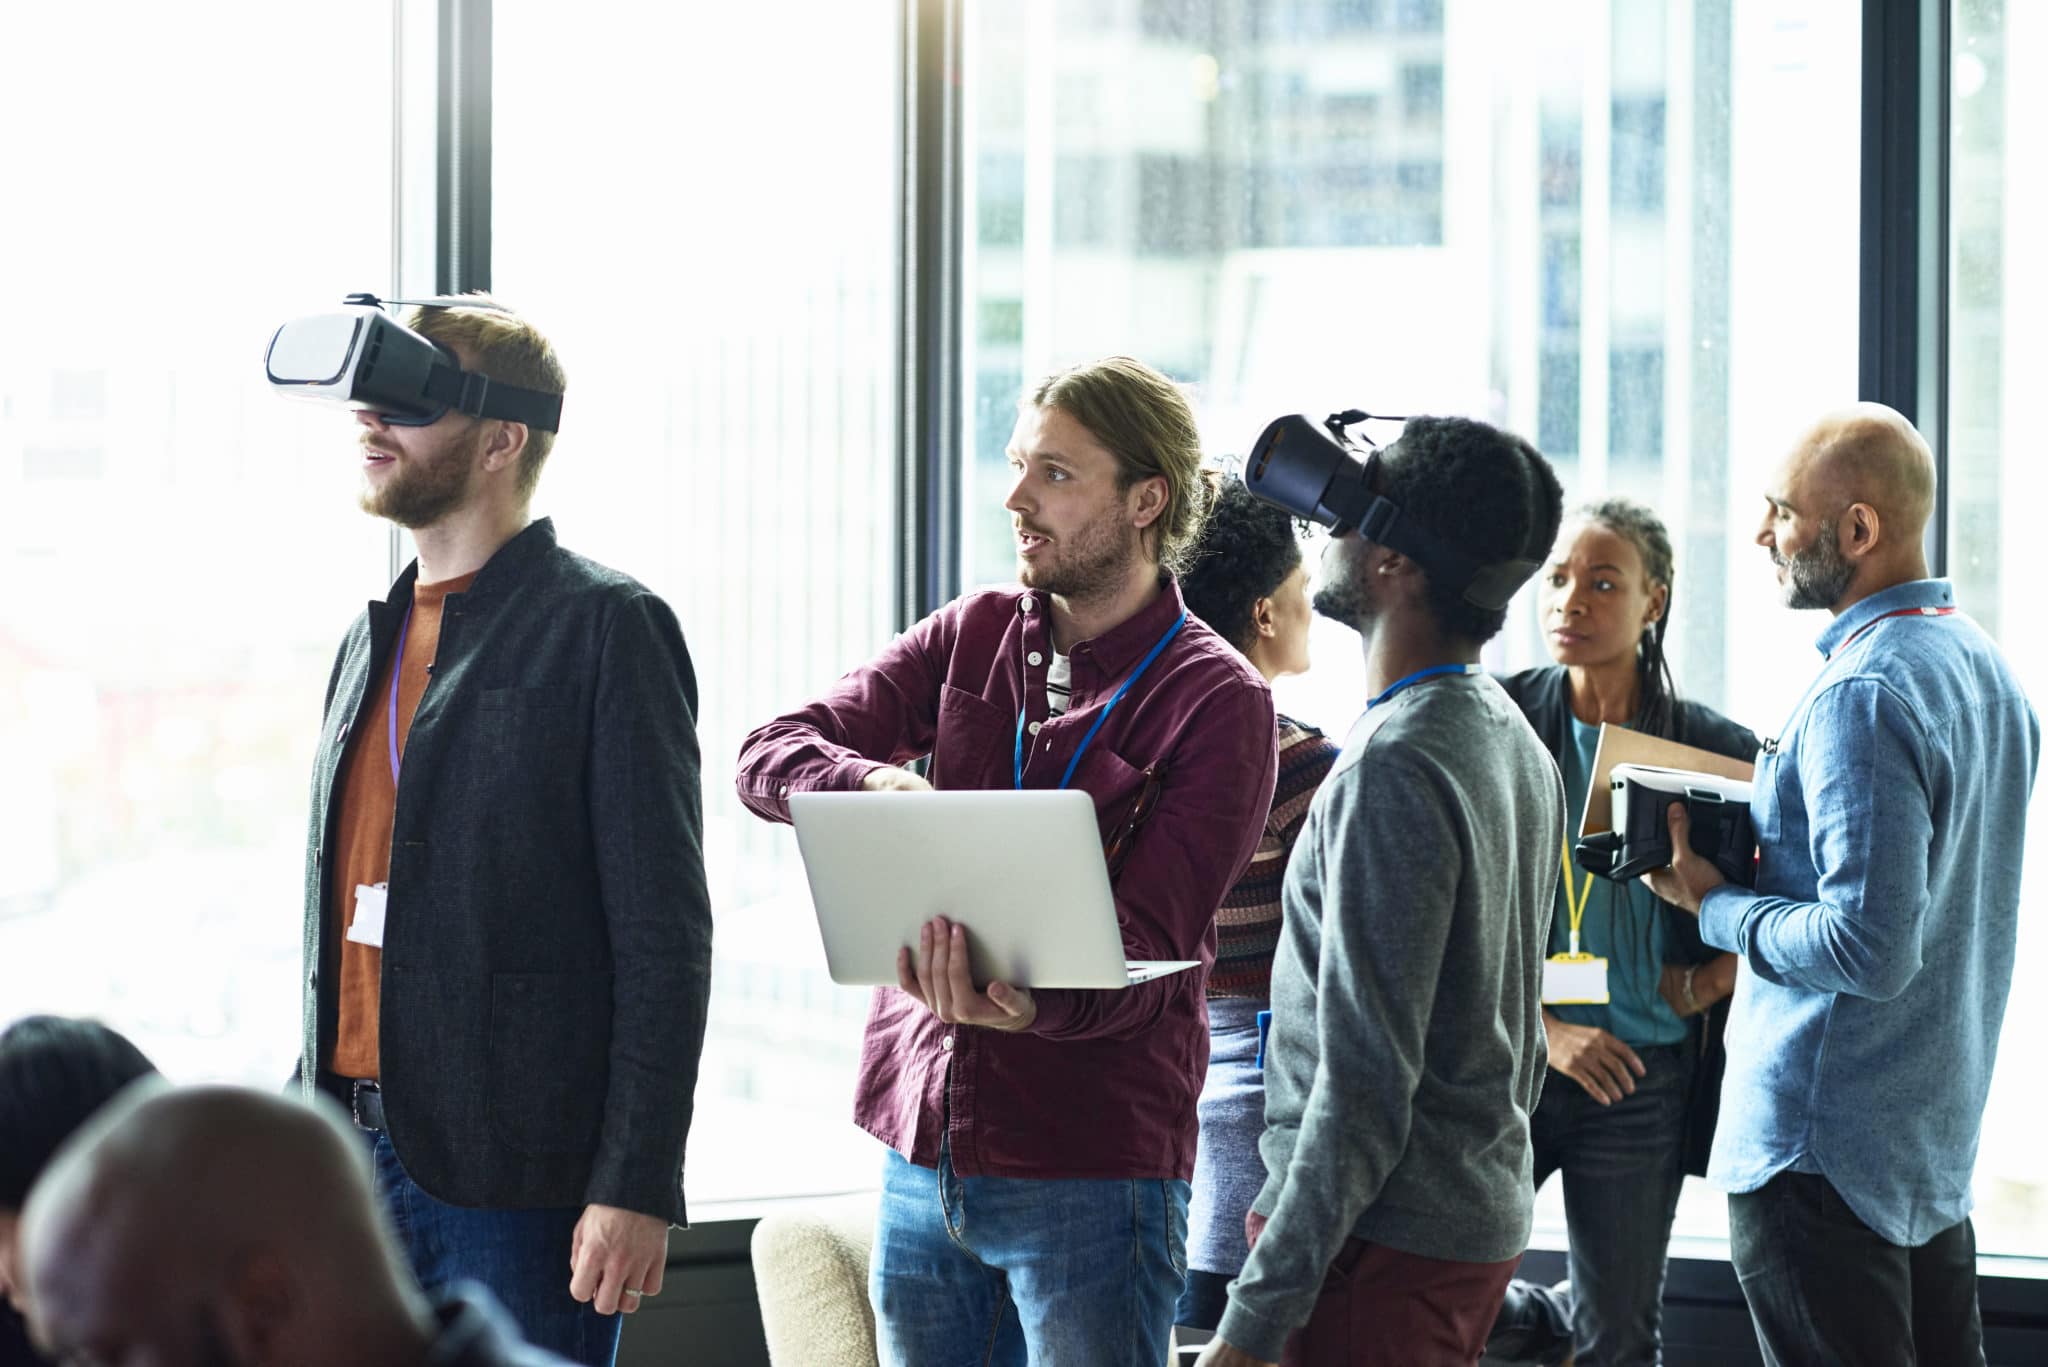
181	549
1997	351
698	203
1626	229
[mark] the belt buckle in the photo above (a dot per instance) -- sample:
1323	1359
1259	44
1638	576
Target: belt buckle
355	1101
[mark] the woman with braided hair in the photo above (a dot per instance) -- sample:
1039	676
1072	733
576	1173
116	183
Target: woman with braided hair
1634	1086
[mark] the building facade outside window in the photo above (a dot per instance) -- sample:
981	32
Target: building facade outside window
1627	229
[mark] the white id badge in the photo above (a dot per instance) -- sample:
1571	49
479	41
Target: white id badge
1574	980
368	926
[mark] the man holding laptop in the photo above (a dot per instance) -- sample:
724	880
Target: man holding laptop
1035	1203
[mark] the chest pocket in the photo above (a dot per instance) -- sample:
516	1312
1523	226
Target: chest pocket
1773	783
1768	793
532	732
1116	785
974	743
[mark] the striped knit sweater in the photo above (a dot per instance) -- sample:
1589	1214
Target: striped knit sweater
1248	924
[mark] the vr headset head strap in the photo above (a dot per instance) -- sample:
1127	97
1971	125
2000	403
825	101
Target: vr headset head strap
1487	586
479	396
465	391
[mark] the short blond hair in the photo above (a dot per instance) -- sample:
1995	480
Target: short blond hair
500	345
1142	419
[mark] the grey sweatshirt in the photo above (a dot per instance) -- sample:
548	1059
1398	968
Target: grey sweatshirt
1406	1049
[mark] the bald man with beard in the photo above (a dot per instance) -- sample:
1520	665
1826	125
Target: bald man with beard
215	1227
1875	951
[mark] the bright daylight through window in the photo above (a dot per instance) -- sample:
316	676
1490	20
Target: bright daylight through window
182	550
1585	222
1627	229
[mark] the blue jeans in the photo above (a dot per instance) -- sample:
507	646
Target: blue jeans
1004	1271
521	1256
1623	1166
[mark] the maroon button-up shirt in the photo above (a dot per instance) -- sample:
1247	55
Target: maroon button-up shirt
1104	1083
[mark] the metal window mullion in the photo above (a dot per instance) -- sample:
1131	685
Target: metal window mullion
929	425
463	174
1904	296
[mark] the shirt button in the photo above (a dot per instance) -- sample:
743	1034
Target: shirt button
947	1044
784	792
1035	658
1033	728
1025	604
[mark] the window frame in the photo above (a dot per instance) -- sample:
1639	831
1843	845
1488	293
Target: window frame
1903	345
1902	361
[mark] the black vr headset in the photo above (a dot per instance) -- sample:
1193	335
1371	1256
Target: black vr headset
1316	472
362	358
1718	809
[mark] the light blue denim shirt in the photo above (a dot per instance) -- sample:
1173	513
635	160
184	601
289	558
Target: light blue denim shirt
1876	950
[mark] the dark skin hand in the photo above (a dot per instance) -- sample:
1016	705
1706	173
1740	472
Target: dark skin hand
1712	981
1593	1058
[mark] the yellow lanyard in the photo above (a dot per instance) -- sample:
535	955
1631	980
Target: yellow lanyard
1577	907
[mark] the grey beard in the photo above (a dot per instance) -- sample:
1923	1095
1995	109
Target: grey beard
1819	575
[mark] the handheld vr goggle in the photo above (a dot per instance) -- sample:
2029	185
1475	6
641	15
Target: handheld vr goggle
1718	808
1316	472
363	358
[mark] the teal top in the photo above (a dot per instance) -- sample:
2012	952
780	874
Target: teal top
1623	925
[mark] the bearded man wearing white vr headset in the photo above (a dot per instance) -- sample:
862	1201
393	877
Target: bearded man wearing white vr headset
507	929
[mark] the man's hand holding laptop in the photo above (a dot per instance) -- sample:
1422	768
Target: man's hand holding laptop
942	983
890	779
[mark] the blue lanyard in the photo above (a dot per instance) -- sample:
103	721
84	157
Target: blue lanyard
1103	715
397	664
1434	671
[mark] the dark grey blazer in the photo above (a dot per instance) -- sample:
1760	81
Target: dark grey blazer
1545	699
547	952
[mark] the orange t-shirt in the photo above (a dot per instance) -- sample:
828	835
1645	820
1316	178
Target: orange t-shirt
369	801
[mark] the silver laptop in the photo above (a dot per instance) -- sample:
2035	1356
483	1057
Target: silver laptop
1023	871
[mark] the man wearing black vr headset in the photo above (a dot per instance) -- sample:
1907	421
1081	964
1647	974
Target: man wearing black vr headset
507	930
1407	1047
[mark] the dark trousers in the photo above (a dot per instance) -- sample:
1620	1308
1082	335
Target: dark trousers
1204	1299
1380	1307
519	1256
1825	1290
1623	1167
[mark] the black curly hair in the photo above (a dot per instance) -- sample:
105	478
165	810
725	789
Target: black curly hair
1246	550
1488	492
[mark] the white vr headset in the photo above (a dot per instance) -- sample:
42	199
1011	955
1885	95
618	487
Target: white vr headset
362	358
